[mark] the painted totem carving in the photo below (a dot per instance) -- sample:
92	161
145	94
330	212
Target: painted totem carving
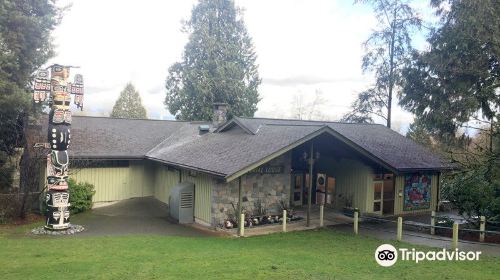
57	92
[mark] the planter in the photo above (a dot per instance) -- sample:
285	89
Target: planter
349	211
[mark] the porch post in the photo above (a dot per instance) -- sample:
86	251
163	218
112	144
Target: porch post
309	188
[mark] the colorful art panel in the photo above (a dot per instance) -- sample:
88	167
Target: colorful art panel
417	192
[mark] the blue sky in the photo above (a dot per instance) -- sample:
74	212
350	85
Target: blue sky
302	47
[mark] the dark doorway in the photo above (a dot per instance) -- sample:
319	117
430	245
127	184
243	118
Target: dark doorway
388	197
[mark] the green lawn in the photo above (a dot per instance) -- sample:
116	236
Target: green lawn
324	254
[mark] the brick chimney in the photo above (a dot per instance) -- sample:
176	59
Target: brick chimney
220	114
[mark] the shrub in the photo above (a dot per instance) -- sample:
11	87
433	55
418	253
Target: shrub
80	196
9	207
6	178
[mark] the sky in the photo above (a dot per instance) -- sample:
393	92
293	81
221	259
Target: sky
303	47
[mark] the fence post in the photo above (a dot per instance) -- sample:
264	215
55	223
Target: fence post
284	220
400	229
482	228
242	225
321	209
433	222
454	240
356	218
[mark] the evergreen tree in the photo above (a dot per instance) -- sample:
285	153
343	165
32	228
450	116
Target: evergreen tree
457	79
417	132
218	65
387	50
25	44
129	104
454	82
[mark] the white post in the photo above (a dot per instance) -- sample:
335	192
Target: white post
356	217
284	220
242	225
482	228
400	229
321	209
454	240
433	222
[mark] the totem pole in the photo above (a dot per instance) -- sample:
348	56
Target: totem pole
57	92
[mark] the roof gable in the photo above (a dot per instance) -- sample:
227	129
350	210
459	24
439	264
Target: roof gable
231	124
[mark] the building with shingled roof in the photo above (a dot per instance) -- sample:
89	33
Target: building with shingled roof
256	162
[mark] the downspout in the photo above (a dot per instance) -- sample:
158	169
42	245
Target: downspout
438	199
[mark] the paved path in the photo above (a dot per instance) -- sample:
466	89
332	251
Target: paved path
387	231
133	216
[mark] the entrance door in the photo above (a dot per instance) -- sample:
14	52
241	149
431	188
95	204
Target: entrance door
298	185
325	189
388	195
330	187
383	194
378	186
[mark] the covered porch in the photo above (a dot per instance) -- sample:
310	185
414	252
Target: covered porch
343	178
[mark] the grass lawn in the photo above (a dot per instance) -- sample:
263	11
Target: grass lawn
323	254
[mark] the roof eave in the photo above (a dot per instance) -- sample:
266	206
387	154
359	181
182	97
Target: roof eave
436	169
210	172
99	157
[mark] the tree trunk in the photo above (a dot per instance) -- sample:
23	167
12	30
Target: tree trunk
391	71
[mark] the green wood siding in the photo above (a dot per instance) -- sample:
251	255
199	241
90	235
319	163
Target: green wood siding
110	183
118	183
352	179
164	180
203	185
399	200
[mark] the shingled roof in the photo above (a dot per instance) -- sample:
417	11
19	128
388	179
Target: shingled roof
115	138
399	152
239	144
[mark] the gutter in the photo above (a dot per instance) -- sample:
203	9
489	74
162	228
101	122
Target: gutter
213	173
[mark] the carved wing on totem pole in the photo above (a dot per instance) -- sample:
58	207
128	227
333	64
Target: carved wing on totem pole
77	90
41	88
57	90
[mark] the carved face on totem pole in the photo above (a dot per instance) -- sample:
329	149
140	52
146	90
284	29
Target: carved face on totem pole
59	116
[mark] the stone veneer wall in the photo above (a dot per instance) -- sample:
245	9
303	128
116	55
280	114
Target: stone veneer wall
270	189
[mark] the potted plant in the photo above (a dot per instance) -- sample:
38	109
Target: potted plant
348	209
284	205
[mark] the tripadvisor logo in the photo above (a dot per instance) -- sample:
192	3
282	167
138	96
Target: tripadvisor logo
387	255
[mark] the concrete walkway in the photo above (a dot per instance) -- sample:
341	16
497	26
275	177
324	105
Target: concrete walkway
387	231
133	216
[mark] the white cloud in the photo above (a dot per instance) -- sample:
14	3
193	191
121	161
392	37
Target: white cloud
301	46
